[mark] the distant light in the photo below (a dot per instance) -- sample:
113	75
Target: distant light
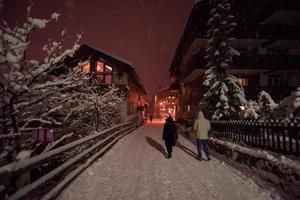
242	107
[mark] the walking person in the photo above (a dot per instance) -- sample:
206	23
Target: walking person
201	127
151	117
170	135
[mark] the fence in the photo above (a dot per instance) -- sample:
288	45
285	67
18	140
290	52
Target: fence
87	149
277	136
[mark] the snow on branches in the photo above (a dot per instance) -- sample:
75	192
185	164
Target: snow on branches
288	109
18	74
225	95
77	102
19	78
32	97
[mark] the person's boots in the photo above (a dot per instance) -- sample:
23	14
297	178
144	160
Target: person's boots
208	158
199	157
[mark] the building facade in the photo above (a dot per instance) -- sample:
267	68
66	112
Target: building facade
166	103
110	70
268	39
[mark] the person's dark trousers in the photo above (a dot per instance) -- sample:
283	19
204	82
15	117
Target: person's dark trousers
200	144
169	148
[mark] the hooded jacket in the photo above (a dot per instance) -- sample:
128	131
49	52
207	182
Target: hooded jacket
201	126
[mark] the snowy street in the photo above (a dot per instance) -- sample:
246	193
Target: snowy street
137	168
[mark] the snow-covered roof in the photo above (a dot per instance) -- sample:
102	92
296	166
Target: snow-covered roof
109	54
86	51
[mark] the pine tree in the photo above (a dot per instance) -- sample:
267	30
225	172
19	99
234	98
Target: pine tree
225	94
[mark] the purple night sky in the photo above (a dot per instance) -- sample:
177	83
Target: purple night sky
143	32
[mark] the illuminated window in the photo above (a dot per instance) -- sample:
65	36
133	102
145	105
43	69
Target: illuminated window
189	108
104	73
86	68
100	66
243	81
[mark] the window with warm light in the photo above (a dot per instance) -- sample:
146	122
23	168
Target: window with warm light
104	72
86	68
100	67
243	81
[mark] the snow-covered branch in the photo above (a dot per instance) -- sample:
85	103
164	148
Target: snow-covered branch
225	95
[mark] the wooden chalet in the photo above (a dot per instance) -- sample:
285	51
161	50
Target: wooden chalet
111	70
267	37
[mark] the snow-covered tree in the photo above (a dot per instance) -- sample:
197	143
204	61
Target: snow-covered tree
19	75
31	97
250	110
289	107
80	103
225	95
265	108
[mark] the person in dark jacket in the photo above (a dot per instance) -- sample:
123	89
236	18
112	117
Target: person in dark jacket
151	117
170	135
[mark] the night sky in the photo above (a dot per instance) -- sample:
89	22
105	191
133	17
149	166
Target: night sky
143	32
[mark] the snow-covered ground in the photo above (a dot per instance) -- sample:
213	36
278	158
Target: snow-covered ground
136	168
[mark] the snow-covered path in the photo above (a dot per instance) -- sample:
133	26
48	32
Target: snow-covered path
136	168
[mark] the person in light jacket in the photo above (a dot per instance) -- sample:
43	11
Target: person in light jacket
201	127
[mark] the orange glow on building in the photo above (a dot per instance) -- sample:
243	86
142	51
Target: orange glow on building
100	66
86	68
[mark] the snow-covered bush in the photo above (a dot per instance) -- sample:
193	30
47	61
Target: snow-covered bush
265	108
81	103
250	110
225	95
288	108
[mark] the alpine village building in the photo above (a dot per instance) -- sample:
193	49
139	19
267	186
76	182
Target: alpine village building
165	102
110	70
268	39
